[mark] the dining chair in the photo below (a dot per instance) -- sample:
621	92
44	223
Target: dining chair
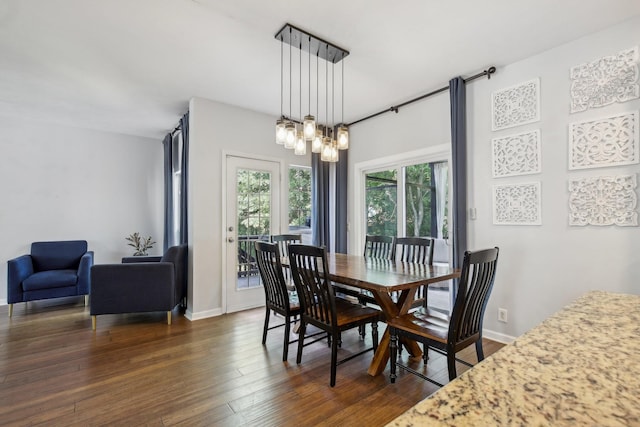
450	334
418	250
277	297
380	247
321	308
283	240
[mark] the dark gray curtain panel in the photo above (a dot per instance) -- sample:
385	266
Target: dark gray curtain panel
184	183
319	201
341	202
167	146
457	94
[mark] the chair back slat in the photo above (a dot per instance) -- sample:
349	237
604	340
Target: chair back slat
283	241
380	247
474	289
270	267
310	272
414	249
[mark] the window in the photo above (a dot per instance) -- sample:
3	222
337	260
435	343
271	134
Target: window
176	179
300	202
408	200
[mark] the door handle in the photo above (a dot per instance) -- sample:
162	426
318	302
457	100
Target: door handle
230	240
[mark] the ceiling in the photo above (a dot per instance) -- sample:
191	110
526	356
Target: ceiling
131	66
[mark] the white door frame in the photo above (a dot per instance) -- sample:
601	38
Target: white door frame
283	225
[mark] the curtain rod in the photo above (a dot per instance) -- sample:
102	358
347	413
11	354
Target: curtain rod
395	108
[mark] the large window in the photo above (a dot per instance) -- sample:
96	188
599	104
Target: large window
408	200
300	202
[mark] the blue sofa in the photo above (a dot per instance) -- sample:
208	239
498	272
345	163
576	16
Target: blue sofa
52	270
140	284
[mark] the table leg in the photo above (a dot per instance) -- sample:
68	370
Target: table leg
390	310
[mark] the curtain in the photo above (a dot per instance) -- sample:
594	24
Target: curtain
457	96
440	175
184	180
341	202
319	201
167	145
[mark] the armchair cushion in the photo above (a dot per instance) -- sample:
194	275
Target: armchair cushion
50	279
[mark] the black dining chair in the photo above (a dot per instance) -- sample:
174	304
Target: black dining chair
283	240
379	247
321	308
417	250
277	297
450	334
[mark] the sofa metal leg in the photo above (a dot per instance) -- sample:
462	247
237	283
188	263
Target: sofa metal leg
168	317
86	300
93	322
10	310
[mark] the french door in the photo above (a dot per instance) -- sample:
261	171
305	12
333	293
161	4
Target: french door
252	213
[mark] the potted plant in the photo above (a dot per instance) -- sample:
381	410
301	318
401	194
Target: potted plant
140	244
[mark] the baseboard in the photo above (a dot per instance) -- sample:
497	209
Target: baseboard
497	336
202	314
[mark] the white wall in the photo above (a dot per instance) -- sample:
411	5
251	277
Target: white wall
541	268
63	183
213	129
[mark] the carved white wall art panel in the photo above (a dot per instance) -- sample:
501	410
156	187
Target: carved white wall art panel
517	204
517	154
516	105
611	141
603	200
605	81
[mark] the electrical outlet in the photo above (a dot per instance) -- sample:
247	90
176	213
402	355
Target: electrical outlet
502	315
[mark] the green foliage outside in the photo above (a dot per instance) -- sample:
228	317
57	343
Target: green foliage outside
382	203
254	202
299	196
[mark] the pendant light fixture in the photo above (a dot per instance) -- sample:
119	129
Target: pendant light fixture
289	127
300	148
281	122
296	133
343	131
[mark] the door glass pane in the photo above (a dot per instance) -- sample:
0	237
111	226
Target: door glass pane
253	222
419	195
382	202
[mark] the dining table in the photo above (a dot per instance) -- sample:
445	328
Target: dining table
393	284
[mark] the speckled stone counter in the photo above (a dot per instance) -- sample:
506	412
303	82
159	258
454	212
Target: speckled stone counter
580	367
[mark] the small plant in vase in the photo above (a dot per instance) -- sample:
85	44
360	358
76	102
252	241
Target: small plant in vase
140	244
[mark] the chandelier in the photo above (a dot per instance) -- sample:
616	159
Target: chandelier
295	131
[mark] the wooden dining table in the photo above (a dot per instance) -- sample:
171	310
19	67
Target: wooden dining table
383	278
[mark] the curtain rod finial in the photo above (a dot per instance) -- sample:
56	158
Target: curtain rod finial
490	71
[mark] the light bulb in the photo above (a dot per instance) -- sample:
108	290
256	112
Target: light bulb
280	131
343	138
325	154
316	144
301	145
309	127
290	139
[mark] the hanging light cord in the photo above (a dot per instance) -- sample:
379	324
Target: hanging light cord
281	74
309	68
290	73
326	89
342	90
300	80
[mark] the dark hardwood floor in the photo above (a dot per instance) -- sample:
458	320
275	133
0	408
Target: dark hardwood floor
137	370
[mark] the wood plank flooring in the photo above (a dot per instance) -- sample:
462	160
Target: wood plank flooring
137	370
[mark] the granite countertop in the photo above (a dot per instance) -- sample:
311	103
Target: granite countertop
580	367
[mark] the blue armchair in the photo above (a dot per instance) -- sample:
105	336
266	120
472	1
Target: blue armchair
150	284
52	270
